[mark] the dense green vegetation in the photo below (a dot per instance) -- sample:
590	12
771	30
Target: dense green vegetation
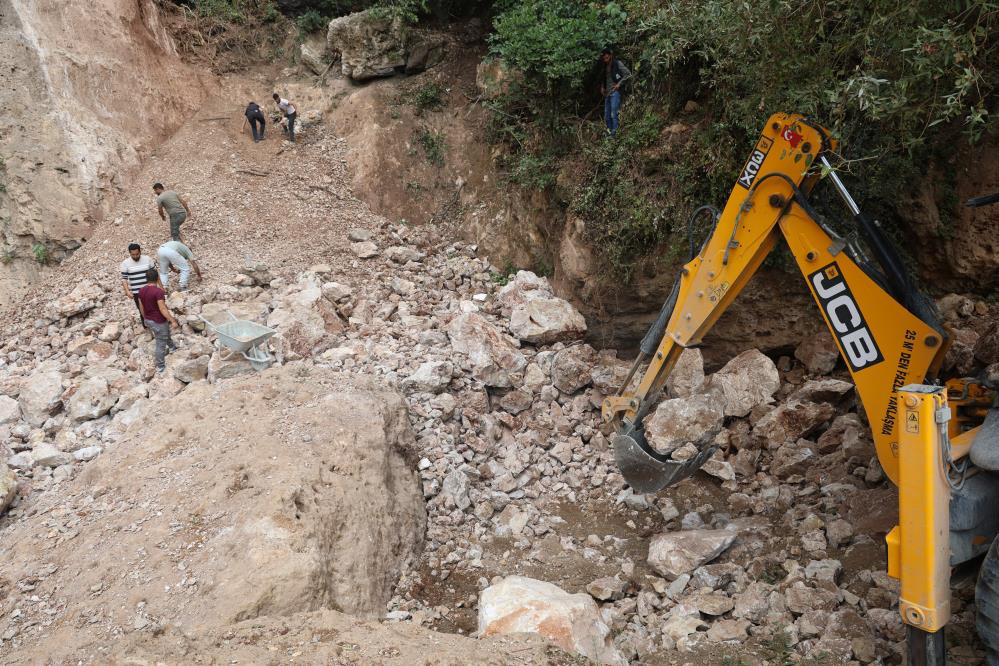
898	82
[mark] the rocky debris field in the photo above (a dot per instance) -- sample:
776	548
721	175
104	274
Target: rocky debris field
215	513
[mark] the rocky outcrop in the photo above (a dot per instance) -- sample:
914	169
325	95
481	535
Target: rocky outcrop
370	44
98	85
965	254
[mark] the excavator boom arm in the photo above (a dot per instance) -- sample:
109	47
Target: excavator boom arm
884	343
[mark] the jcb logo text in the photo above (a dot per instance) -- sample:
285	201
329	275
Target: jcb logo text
845	318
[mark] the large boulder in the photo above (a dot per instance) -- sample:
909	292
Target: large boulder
680	421
748	380
494	358
288	491
313	55
518	604
546	320
370	44
41	396
676	553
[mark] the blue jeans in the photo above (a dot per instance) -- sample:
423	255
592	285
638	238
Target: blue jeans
612	105
291	125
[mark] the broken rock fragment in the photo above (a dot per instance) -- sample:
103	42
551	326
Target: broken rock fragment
680	421
792	420
676	553
8	486
524	605
687	377
818	353
493	357
430	377
10	411
571	368
364	250
41	396
747	381
546	320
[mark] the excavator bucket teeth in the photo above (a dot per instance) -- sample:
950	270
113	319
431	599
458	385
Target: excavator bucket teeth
647	471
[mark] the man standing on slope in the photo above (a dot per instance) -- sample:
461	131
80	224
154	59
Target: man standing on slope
152	302
255	117
290	113
615	73
175	256
168	202
133	275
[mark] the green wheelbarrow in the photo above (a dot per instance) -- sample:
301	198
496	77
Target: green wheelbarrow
245	338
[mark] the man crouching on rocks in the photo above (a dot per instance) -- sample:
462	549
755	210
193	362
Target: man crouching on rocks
156	314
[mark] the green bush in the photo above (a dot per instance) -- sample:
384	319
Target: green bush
554	41
311	21
41	253
899	85
427	97
433	144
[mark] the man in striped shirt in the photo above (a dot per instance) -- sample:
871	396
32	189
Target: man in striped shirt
133	274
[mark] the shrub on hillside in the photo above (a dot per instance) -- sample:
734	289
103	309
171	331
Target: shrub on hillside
900	84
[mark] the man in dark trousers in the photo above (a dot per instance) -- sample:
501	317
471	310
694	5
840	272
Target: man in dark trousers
615	73
169	203
290	114
152	302
255	117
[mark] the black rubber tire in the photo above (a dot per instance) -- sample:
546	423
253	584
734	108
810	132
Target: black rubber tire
987	603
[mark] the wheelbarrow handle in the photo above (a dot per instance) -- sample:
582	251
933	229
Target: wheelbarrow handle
209	324
212	326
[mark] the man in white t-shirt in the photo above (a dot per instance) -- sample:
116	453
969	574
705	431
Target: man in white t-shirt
290	113
177	257
133	274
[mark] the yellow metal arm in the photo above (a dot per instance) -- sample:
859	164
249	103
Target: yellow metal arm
884	344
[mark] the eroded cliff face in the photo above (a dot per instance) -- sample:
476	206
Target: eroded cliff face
89	89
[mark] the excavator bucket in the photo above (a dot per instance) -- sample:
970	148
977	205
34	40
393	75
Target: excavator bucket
647	471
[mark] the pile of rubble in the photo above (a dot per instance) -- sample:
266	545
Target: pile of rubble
504	401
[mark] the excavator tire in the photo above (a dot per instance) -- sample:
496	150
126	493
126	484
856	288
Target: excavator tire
987	602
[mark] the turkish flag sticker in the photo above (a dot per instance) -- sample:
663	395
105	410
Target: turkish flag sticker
791	136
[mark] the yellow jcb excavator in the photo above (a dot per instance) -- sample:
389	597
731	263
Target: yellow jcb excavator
938	443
